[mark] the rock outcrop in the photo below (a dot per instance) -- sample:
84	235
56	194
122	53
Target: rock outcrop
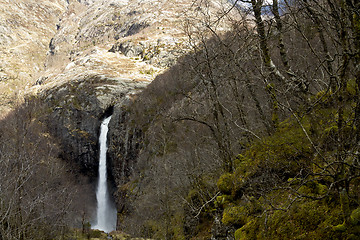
76	109
102	53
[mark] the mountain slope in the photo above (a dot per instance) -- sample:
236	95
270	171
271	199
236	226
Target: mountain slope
26	28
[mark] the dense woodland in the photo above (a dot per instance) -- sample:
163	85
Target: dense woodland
255	134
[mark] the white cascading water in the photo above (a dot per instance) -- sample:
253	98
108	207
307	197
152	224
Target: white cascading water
106	211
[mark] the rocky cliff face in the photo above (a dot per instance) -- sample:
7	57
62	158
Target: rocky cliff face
84	57
57	48
76	109
102	53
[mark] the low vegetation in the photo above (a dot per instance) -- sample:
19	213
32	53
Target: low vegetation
255	134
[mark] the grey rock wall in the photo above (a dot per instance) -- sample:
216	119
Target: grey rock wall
76	109
125	142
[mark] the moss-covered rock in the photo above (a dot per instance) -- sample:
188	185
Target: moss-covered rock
340	228
249	231
312	188
223	200
226	183
355	216
239	234
321	189
235	215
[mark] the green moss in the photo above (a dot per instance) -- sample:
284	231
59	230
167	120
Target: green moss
226	183
97	234
340	228
304	220
353	237
246	166
351	87
304	190
324	94
294	181
235	215
310	214
223	200
331	131
249	231
287	149
239	235
345	202
287	152
313	188
177	226
152	228
355	216
321	189
255	206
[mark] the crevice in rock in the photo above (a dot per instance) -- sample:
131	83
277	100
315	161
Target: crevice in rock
108	112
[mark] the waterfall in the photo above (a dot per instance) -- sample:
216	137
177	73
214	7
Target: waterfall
106	210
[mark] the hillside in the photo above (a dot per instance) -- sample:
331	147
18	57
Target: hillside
228	122
247	137
49	43
26	28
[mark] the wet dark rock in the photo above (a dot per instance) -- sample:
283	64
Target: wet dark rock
76	109
124	145
74	120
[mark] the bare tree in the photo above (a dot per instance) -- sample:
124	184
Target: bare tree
36	197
